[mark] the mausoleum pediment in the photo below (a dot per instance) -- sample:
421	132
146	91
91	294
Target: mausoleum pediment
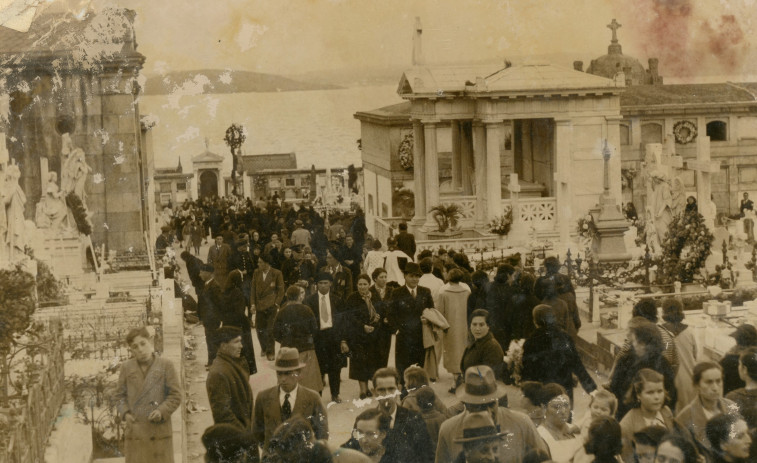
439	80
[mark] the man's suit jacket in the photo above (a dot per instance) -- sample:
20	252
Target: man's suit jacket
408	440
342	284
267	292
267	416
405	314
338	311
406	243
209	304
219	257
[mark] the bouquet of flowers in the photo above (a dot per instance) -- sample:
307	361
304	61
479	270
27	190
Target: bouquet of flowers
587	229
514	359
501	224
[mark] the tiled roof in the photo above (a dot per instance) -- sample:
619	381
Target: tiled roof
257	162
719	93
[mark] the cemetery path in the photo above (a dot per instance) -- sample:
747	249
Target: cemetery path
341	416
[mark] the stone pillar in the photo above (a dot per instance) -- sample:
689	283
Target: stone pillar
195	185
466	160
221	183
432	172
457	164
563	160
493	173
419	174
479	153
613	142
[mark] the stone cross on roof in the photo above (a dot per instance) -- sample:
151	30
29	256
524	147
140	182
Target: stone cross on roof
614	26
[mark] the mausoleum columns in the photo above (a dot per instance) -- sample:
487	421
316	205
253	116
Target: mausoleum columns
479	154
563	161
494	130
419	174
431	163
457	166
466	159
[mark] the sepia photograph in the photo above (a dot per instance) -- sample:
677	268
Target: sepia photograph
397	231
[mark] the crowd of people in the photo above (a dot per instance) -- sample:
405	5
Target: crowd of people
331	296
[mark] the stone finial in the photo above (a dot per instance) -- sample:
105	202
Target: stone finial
578	66
614	26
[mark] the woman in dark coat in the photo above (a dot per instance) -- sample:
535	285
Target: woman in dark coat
233	314
646	352
746	337
380	296
290	268
519	317
477	298
485	350
364	323
550	356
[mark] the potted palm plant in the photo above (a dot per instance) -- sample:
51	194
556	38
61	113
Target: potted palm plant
446	216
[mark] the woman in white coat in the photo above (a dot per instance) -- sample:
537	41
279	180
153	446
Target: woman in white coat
453	304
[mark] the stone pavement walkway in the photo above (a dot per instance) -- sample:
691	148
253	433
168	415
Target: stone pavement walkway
341	416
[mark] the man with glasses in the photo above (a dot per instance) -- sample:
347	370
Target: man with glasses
369	432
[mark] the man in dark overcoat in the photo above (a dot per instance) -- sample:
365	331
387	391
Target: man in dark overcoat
210	301
406	305
228	385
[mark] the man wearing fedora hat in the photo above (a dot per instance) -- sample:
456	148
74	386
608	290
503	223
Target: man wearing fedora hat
218	256
481	393
406	305
228	386
330	339
480	439
279	403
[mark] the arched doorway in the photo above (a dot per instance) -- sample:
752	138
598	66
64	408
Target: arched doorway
208	184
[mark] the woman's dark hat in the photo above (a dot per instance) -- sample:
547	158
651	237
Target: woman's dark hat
227	333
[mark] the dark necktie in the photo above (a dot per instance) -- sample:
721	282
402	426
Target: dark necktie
286	408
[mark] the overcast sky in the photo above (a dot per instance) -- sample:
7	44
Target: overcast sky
691	37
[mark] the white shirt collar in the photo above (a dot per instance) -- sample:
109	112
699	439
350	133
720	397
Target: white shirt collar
292	396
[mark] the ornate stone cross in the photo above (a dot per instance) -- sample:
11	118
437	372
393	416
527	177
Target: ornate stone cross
614	26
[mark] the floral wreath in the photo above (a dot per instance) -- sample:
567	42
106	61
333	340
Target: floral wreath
405	152
685	132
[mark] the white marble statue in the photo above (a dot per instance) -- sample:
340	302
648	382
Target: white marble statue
677	196
14	200
74	170
660	202
52	212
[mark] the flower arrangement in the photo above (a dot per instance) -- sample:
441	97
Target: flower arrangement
502	223
685	132
686	247
587	229
514	359
405	152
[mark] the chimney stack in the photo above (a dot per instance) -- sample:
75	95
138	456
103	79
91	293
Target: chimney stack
578	66
654	71
417	46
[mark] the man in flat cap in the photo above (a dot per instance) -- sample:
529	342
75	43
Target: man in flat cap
163	242
300	235
287	399
228	385
331	338
406	305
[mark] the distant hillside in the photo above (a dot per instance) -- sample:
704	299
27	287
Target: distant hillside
226	81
